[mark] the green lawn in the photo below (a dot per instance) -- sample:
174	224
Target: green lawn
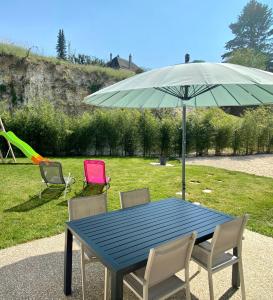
23	217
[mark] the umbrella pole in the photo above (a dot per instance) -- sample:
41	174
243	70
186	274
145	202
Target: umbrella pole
183	160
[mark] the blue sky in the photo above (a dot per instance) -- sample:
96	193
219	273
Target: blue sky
157	33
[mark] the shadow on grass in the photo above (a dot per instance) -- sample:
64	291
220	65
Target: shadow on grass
35	201
89	190
17	164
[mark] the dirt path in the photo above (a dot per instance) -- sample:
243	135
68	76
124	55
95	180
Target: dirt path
261	164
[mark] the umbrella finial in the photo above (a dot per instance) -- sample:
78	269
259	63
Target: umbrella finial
187	58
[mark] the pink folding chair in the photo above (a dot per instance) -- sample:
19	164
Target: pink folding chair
94	172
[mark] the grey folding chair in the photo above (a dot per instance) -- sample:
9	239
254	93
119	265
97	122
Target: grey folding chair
135	197
213	256
83	207
158	279
52	177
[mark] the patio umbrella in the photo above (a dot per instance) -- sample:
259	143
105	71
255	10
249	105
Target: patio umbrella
190	84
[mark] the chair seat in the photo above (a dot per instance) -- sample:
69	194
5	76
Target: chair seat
201	253
159	291
98	181
56	180
88	254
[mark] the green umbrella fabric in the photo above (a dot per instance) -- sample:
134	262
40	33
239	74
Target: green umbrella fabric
208	84
192	84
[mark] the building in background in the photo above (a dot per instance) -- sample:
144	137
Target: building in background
121	63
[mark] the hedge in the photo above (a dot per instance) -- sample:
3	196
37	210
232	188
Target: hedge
128	132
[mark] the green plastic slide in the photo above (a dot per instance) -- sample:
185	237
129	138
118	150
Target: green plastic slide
24	147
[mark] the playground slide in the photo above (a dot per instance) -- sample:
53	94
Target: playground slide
24	147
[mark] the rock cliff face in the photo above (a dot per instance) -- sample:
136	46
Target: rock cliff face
27	80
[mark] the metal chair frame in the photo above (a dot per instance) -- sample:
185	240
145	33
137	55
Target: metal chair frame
65	182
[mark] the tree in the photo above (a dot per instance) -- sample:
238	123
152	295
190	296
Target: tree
61	45
249	58
253	30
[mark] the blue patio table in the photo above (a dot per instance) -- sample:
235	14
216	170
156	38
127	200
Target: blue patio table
122	239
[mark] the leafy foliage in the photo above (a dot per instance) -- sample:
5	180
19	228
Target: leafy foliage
123	132
253	30
83	59
249	58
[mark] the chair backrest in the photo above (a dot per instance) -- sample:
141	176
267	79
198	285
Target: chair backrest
52	172
168	259
82	207
94	171
135	197
228	235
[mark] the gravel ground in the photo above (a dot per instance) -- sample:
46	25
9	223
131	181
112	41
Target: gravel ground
35	271
260	164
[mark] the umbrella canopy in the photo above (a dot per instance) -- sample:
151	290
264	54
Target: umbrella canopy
192	84
197	84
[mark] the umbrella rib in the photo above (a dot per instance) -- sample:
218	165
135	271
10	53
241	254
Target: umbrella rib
214	98
178	91
98	96
107	98
231	94
196	91
249	93
195	102
264	89
204	90
167	91
173	90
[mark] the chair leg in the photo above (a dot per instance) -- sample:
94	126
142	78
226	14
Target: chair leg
83	273
211	293
188	293
241	271
106	284
41	189
65	191
187	281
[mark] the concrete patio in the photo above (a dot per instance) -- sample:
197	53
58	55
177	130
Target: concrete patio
35	271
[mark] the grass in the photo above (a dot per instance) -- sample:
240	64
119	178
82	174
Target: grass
23	217
21	52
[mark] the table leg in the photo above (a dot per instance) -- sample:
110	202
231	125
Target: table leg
235	271
116	286
68	262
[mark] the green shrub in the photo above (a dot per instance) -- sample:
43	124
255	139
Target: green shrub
166	133
131	132
148	132
202	131
222	125
129	141
43	127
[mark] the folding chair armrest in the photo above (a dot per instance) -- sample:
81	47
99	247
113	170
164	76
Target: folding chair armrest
70	179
